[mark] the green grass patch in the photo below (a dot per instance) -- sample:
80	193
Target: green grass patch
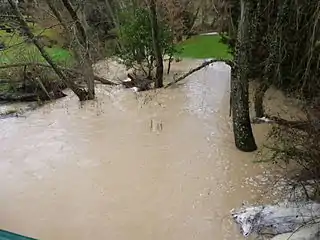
18	50
61	55
201	47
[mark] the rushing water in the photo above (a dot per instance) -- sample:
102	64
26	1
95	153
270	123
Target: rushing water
157	165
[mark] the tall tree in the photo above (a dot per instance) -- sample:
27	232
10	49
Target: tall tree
81	93
156	43
244	139
83	46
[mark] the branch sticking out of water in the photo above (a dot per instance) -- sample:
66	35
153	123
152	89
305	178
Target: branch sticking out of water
204	64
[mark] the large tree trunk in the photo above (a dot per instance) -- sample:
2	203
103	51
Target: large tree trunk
111	14
156	44
244	139
114	19
82	50
82	94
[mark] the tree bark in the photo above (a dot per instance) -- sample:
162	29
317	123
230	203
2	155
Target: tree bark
156	44
169	64
244	139
81	93
258	99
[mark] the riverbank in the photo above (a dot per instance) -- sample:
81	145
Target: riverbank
294	211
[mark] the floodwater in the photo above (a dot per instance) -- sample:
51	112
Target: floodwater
156	165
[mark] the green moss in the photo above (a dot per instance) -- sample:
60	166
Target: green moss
201	47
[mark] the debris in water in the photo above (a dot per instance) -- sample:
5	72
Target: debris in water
276	219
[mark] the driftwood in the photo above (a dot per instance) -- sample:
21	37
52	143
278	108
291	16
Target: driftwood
204	64
104	81
258	120
276	219
139	82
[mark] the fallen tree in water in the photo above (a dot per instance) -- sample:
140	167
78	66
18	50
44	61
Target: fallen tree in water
278	219
203	65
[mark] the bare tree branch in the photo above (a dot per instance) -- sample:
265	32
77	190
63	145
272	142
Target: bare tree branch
206	63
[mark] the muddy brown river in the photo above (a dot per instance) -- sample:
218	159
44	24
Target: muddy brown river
156	165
